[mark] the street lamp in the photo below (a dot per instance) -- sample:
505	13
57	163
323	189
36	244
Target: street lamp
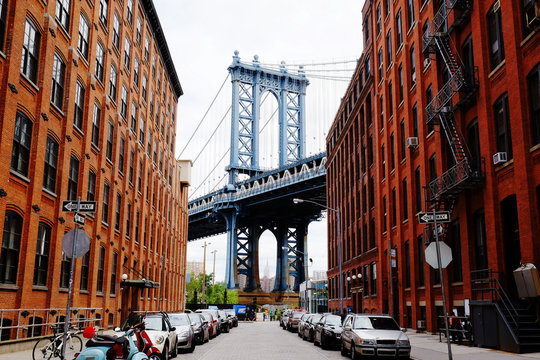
340	260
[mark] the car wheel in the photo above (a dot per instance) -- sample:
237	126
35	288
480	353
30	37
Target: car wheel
344	351
175	352
165	355
354	355
322	342
155	356
192	347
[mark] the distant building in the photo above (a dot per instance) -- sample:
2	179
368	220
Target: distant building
195	268
319	275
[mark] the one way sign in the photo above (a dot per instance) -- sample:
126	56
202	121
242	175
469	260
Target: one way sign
428	218
85	206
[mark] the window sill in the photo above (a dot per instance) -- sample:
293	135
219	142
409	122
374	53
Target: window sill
430	134
103	223
86	292
401	46
95	148
20	176
99	294
506	164
2	55
436	286
496	69
112	295
413	86
40	288
529	37
401	103
423	6
83	58
77	130
9	287
457	283
60	112
63	290
406	221
29	84
427	67
534	148
63	31
49	192
390	66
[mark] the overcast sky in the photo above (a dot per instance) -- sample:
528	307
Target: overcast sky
202	36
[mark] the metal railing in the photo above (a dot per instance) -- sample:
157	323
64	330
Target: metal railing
438	20
444	96
27	323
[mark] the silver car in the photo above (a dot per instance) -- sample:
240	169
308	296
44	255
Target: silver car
184	331
373	335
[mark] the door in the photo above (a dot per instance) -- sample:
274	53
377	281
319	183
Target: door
512	248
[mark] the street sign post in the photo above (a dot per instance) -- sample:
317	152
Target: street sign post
79	219
82	206
430	218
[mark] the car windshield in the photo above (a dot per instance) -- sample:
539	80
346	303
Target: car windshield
207	317
179	320
333	320
315	319
375	322
196	318
297	315
153	323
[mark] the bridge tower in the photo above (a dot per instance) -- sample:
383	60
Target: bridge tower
249	82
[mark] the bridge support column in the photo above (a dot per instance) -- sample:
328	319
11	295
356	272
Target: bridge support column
231	275
248	256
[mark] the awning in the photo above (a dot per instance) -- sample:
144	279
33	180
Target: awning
140	284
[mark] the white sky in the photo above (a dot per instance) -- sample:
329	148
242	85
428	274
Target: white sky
202	36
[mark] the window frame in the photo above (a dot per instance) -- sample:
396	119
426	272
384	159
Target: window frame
495	35
50	164
30	54
41	263
11	247
58	81
22	144
84	34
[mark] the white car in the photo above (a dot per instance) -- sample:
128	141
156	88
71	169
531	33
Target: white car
184	331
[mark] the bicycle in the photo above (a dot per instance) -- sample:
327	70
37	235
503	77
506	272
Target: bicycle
51	347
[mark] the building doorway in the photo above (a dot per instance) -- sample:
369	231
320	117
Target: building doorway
512	248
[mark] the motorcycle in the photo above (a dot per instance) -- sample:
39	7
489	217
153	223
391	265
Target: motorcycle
105	347
145	344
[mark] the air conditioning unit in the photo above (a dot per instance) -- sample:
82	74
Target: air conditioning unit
420	324
532	13
412	142
499	158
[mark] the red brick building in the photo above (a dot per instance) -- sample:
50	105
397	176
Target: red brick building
448	118
88	98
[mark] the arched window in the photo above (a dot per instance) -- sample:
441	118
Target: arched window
11	244
41	264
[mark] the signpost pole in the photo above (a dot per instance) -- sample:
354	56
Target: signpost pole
70	291
391	277
442	286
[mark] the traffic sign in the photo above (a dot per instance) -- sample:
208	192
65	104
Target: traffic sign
79	219
428	218
81	246
85	206
431	255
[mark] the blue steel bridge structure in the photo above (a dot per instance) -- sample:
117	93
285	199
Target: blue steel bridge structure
254	200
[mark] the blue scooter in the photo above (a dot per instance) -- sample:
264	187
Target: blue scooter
104	347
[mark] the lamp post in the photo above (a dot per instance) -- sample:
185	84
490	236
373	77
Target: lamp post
340	260
204	270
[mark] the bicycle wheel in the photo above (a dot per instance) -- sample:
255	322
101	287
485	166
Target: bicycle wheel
44	349
74	345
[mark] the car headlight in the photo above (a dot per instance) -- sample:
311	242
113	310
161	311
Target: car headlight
367	341
184	334
160	339
403	342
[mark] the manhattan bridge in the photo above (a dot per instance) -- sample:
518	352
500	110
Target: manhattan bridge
253	155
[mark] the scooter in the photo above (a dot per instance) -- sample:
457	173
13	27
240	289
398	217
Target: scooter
145	344
105	347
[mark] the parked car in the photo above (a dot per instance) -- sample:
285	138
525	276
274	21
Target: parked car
211	324
284	318
328	331
232	315
373	335
294	317
224	321
301	323
308	332
200	328
184	331
159	330
216	316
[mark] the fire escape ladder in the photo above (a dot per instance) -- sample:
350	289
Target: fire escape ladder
458	148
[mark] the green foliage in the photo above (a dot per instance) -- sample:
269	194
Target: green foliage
213	294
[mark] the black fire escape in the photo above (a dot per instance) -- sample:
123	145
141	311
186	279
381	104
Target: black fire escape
442	193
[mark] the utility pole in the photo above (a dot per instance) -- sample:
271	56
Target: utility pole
204	271
214	270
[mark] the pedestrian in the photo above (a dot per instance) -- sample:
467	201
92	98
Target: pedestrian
264	315
271	315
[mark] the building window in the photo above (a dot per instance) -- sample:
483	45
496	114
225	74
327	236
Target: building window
58	75
405	210
110	134
100	61
427	56
112	83
144	87
123	102
479	227
415	120
65	269
127	53
420	257
388	48
137	217
407	256
101	270
41	264
455	244
96	119
432	168
30	53
399	30
79	106
146	49
91	192
380	64
84	33
383	157
429	97
379	19
121	155
141	131
418	189
22	138
392	153
114	265
62	13
139	30
136	72
131	165
394	207
3	16
139	184
134	117
11	244
381	107
116	31
410	13
384	214
402	137
129	14
85	269
73	178
502	125
51	159
103	11
400	75
105	214
390	101
412	59
533	83
495	35
118	209
128	219
373	274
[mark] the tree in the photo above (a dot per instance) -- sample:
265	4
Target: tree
213	294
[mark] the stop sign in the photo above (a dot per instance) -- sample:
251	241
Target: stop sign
431	255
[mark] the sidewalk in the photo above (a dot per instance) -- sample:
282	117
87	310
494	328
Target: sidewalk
427	347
